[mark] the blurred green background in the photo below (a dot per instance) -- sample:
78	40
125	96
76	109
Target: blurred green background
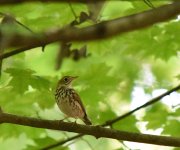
119	74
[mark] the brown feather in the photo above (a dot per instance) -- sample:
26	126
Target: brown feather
85	119
69	101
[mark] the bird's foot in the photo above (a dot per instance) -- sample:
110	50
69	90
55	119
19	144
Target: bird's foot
60	121
74	123
63	119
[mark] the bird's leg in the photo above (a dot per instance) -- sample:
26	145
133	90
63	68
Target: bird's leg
64	119
74	123
71	121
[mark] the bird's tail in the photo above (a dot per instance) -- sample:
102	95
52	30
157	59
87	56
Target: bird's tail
86	120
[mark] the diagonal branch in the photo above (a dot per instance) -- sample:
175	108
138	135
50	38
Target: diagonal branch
17	51
96	131
99	31
62	142
154	100
111	122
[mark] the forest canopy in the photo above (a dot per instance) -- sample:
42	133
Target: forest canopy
126	56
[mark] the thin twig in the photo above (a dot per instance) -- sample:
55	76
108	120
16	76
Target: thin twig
62	142
17	51
152	101
149	3
72	10
175	106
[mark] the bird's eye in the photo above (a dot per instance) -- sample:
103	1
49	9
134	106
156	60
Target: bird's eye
65	79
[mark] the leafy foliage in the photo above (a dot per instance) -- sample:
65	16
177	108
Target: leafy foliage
127	124
22	79
156	116
114	66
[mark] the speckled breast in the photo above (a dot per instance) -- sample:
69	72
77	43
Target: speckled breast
67	104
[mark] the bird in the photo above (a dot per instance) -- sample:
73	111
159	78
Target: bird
68	100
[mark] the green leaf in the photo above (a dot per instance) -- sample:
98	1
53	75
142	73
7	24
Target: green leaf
23	78
17	130
127	124
39	83
156	116
44	98
176	113
20	79
16	143
172	127
100	113
41	143
151	41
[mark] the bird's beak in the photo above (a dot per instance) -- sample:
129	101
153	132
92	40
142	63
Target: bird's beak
73	78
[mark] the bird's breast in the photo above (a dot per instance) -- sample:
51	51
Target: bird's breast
67	104
60	93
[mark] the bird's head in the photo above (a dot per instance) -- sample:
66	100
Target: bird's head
66	81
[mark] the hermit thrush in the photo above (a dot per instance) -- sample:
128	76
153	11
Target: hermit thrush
69	101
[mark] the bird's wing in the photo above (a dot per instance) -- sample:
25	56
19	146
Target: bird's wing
78	99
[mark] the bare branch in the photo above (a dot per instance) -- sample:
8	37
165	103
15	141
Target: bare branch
62	142
110	122
147	2
99	31
154	100
96	131
17	51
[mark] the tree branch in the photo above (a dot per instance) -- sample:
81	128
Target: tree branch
96	131
154	100
17	51
5	2
110	122
99	31
62	142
